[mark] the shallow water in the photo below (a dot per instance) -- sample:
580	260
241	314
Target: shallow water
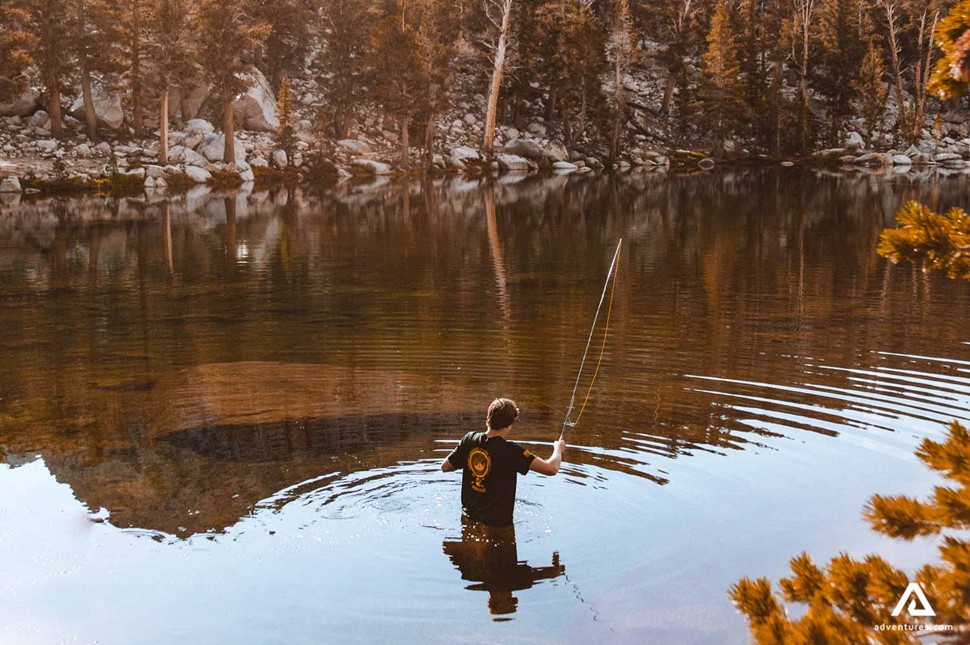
221	417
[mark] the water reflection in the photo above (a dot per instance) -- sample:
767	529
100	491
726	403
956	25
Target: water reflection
488	558
178	362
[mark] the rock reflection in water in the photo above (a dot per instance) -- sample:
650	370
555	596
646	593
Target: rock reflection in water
488	557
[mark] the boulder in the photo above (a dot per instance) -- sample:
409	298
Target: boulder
181	154
153	171
47	145
247	175
22	105
10	185
512	163
198	175
354	145
39	120
527	148
255	109
556	151
564	166
902	160
107	105
854	140
199	126
944	157
371	167
874	159
279	159
214	145
190	105
463	155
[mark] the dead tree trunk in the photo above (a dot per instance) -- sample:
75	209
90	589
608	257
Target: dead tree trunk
502	25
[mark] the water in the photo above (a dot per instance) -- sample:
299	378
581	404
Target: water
221	417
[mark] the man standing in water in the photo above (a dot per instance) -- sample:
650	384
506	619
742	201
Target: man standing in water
490	464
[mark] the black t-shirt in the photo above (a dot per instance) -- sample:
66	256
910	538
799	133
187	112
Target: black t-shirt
489	466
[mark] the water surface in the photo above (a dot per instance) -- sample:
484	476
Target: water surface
221	416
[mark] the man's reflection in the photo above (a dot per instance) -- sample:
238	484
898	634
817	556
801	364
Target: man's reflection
487	557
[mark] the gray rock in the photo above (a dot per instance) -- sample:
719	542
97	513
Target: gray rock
198	175
103	148
463	155
247	175
556	151
107	105
82	150
181	154
874	159
46	145
527	148
371	167
10	185
255	108
902	160
214	146
854	140
21	105
279	159
564	166
943	157
355	145
469	119
199	126
537	129
39	119
149	183
512	163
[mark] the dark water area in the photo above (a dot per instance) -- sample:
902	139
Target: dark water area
221	416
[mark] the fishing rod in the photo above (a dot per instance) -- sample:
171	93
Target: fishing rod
567	423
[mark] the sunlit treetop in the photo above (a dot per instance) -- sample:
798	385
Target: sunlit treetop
937	242
952	72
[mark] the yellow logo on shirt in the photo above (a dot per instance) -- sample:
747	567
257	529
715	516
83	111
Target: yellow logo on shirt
479	463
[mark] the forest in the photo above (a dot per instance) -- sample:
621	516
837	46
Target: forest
778	77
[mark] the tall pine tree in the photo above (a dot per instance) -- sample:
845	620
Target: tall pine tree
97	41
721	92
51	24
226	34
172	54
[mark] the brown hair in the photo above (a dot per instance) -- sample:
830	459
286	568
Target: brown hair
501	414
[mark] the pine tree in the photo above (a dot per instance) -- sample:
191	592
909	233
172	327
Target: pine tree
926	238
96	39
842	33
400	86
620	50
849	598
172	54
225	35
721	91
289	37
51	24
348	26
952	72
286	134
871	88
435	26
15	48
134	23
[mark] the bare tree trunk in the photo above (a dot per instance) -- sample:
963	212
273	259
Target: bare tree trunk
405	141
54	108
163	129
229	154
893	27
90	116
138	112
184	104
429	132
498	69
618	107
921	74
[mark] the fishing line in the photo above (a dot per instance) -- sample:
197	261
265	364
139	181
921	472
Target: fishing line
567	423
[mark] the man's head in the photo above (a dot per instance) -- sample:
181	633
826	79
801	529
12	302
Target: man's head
501	414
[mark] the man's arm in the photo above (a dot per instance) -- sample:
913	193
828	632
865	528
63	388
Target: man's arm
549	466
447	466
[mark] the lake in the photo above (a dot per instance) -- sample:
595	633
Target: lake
221	415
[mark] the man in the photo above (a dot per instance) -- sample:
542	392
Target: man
490	465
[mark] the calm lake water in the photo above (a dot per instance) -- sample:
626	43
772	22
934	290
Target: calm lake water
221	417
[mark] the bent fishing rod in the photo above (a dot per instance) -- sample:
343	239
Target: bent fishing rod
567	422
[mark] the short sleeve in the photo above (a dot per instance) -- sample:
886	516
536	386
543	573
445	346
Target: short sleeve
459	456
521	458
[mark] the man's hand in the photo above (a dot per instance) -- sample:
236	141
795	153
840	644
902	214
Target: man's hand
550	466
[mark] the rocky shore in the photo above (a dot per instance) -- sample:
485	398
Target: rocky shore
32	160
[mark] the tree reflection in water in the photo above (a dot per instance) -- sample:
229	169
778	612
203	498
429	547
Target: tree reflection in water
487	557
